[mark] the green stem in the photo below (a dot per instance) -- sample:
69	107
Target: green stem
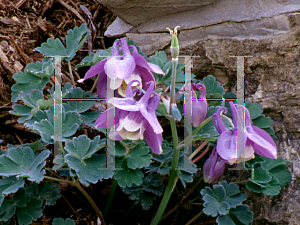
240	175
128	211
241	182
110	196
174	172
54	173
95	83
198	150
174	65
86	195
59	180
51	83
61	147
194	218
71	73
190	137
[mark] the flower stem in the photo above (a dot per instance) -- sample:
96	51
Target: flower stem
202	154
95	83
59	180
194	218
190	137
241	182
86	195
198	149
71	73
110	196
240	175
61	147
174	65
174	171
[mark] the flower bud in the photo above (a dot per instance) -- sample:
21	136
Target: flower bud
212	168
174	44
175	112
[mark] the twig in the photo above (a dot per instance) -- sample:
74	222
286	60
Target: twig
72	10
25	57
21	142
71	207
20	3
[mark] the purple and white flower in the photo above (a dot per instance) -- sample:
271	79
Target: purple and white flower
256	140
119	70
213	167
135	120
199	106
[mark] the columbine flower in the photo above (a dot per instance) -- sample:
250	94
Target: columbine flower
199	106
212	168
121	70
255	139
136	120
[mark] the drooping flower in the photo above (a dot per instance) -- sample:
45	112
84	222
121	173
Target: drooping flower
119	70
255	139
135	120
213	167
199	106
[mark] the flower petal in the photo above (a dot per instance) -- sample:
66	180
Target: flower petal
153	140
141	61
226	146
102	119
94	70
199	111
262	142
119	68
217	120
102	87
127	104
152	119
133	121
212	168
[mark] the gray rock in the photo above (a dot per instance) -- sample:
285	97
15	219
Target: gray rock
269	31
150	43
118	28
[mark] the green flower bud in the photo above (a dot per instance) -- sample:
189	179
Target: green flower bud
174	44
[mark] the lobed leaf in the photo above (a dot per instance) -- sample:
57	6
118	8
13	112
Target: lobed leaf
239	216
146	193
221	198
24	163
89	167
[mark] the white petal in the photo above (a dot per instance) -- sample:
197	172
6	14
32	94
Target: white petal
116	83
131	125
134	76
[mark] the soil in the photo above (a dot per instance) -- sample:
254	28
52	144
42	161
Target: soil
25	25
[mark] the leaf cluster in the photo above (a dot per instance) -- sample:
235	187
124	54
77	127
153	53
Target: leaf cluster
268	176
225	201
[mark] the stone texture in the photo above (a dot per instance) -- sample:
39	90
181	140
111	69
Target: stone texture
269	31
118	27
150	43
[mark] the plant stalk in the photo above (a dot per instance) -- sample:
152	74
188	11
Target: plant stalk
86	195
174	172
95	83
110	196
71	73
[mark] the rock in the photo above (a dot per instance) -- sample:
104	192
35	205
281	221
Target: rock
118	28
150	43
213	30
